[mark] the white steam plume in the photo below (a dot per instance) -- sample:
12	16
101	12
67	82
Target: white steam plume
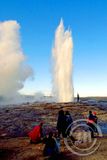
13	71
62	66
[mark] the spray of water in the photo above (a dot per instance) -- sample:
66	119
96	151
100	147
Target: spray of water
13	71
62	65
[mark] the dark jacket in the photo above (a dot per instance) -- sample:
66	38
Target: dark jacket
61	121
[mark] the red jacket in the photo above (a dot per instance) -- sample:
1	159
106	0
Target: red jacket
90	121
35	134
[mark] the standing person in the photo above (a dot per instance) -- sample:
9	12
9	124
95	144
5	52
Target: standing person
78	98
95	121
36	134
90	123
95	117
61	123
69	121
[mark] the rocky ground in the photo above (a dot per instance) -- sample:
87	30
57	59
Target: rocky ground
17	121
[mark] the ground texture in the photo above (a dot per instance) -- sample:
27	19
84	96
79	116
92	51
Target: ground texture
17	121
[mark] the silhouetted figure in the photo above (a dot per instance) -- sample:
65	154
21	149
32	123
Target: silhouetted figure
36	134
78	97
90	123
51	147
69	121
61	123
95	121
95	117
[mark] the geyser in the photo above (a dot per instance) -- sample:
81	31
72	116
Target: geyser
13	70
62	65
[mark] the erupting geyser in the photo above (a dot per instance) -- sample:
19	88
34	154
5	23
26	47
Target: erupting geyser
13	71
62	65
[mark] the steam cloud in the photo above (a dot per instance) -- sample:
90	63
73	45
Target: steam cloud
62	66
13	71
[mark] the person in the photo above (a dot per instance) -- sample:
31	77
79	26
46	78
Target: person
61	123
95	121
51	146
78	97
36	134
95	117
90	123
69	122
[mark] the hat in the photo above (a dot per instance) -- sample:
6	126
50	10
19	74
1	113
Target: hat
94	113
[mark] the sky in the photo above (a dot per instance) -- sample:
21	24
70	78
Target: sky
39	19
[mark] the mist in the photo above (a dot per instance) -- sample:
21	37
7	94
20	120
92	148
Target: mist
62	54
13	68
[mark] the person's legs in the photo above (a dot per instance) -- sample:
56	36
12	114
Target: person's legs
64	135
91	128
92	134
68	131
59	132
95	129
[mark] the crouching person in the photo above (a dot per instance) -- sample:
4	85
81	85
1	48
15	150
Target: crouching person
36	134
51	146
